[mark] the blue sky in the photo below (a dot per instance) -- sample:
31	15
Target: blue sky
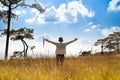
87	20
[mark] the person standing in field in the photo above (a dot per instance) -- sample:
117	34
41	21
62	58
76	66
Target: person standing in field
60	49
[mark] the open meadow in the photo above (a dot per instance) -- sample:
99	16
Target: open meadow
81	68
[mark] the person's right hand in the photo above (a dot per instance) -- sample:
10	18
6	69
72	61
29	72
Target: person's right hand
76	39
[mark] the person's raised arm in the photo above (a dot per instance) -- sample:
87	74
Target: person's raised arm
72	41
50	41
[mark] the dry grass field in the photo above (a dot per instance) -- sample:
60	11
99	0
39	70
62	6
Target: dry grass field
81	68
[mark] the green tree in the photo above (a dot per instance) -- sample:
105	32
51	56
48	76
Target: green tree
111	42
21	34
101	42
6	15
115	40
108	44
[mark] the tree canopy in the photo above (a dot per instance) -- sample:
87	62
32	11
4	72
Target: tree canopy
111	42
21	34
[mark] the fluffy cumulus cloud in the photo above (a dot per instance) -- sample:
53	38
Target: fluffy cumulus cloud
64	13
114	5
50	15
78	7
106	31
32	20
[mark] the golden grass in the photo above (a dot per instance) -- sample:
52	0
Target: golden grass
82	68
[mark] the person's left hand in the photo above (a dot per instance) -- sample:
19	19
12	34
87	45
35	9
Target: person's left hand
46	39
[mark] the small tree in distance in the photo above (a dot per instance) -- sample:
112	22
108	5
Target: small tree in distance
100	42
115	39
21	34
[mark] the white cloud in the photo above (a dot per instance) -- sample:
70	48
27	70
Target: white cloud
19	12
92	27
90	23
106	31
66	13
33	19
36	12
115	28
23	11
51	15
60	11
30	20
113	5
87	30
77	6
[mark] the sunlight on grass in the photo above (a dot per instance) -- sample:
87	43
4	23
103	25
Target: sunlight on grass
82	68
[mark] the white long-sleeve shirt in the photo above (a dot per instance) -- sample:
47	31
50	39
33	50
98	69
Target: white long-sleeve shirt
60	47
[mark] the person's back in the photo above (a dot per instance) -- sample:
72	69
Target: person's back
60	49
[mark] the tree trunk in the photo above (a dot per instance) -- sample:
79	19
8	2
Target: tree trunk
118	46
23	46
8	33
102	49
25	55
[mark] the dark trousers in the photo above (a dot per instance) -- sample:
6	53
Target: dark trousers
59	59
